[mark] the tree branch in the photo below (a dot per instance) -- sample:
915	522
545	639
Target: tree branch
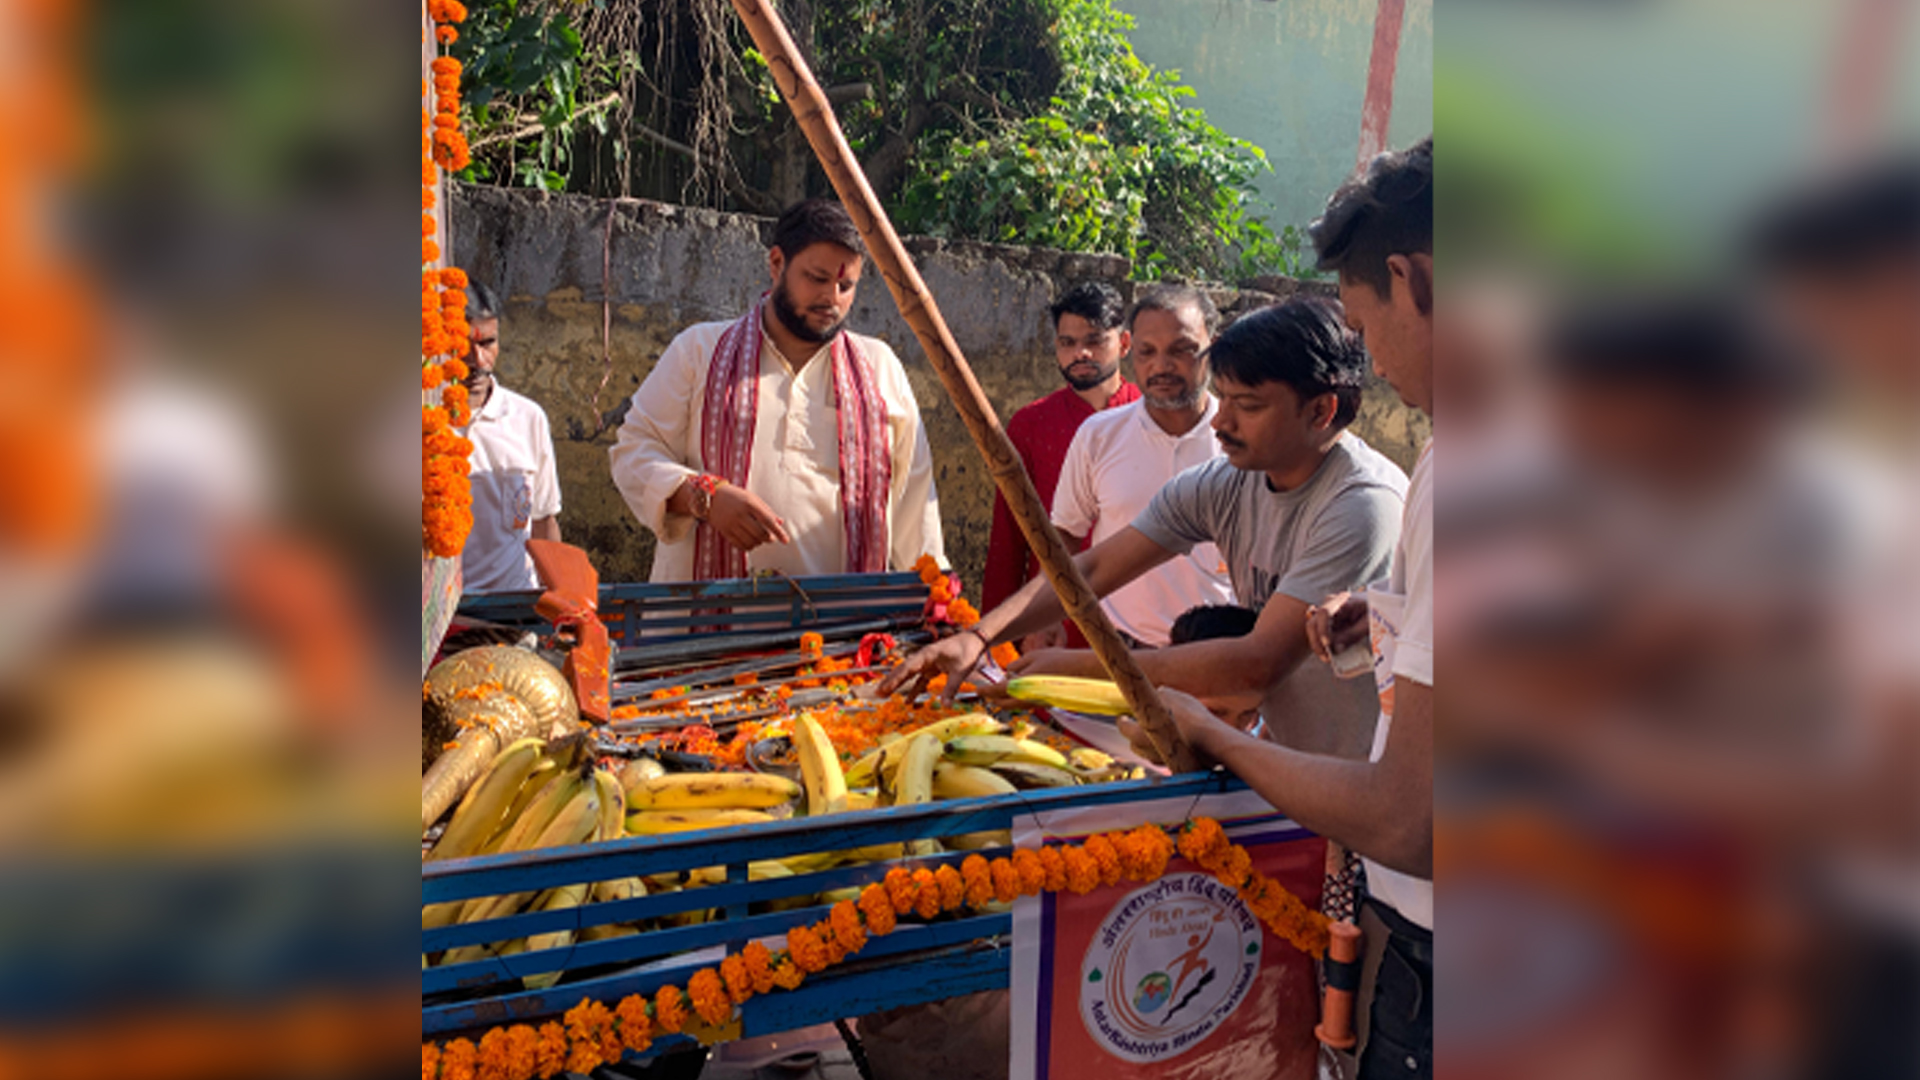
537	127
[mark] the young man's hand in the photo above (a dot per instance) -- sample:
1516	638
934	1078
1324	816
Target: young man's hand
955	657
1336	623
1199	728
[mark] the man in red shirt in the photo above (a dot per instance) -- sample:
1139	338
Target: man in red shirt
1088	343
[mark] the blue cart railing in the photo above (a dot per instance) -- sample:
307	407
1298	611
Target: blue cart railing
916	963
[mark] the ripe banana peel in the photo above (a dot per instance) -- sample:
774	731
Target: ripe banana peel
993	749
558	899
865	772
951	781
1027	775
1096	696
819	767
720	790
658	822
485	807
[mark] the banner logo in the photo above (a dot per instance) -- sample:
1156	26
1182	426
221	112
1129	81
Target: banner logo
1169	963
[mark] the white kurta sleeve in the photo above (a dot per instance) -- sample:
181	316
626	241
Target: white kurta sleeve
913	510
654	453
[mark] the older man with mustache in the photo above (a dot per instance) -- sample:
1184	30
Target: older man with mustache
1121	457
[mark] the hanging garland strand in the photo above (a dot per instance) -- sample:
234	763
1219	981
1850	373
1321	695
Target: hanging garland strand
446	511
590	1034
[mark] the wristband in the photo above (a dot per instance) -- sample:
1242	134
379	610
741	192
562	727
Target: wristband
700	489
986	647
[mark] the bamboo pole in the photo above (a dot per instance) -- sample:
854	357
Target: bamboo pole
816	119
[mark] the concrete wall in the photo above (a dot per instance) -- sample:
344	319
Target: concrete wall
671	266
1290	77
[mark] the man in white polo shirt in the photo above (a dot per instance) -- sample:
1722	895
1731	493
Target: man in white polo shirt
1121	458
516	490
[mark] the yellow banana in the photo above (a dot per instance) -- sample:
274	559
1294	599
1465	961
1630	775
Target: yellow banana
820	767
952	781
976	841
863	800
611	823
865	772
535	783
656	822
1086	759
993	749
1097	696
626	888
606	932
698	791
486	803
573	824
554	796
566	896
1026	775
916	771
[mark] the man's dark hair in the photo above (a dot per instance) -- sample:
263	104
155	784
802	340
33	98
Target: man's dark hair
1703	346
814	221
1095	301
1302	341
1172	299
1209	621
1844	224
1383	210
482	302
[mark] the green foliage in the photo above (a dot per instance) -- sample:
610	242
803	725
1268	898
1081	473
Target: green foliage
1117	162
1013	121
523	67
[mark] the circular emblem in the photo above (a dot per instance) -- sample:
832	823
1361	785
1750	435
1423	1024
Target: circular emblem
1169	963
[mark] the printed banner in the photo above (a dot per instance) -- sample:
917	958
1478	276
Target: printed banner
1172	980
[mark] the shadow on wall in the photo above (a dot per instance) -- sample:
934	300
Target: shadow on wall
584	324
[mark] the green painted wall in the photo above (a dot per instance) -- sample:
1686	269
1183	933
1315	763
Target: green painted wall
1289	76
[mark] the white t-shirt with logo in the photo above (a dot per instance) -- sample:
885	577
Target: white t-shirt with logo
1400	614
514	484
1118	462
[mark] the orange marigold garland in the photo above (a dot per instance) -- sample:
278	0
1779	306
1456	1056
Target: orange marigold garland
709	998
594	1035
446	493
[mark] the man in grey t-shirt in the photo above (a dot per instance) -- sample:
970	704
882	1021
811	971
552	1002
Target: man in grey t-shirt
1300	509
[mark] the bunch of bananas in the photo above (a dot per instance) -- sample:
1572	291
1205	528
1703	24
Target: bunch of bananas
533	794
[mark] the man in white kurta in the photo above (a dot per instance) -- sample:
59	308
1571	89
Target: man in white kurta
789	515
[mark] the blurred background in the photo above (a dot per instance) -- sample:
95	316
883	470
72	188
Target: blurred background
209	530
1678	529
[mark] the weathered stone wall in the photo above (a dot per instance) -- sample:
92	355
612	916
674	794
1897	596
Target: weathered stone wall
583	326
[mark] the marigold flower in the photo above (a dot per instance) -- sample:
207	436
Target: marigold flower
845	920
523	1049
709	997
811	643
458	1060
1201	840
491	1063
669	1010
901	889
927	903
787	974
429	1061
1004	654
978	881
1083	874
808	951
733	970
550	1056
1027	868
446	35
953	888
1235	867
759	962
877	908
1105	856
1055	866
1006	883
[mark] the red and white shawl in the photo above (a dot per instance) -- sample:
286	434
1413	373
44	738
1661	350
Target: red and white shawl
866	450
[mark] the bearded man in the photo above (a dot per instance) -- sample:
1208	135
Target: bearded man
780	441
